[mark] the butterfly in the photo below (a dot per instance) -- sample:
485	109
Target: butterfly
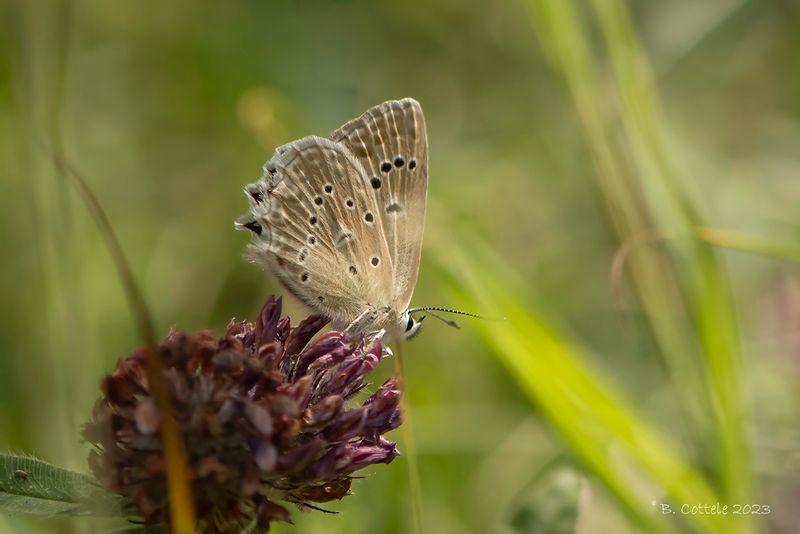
339	220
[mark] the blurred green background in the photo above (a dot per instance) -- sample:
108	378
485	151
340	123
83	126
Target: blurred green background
619	180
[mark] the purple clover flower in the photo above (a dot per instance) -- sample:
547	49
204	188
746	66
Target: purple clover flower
266	415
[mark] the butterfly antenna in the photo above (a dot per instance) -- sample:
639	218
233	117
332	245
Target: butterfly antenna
445	320
446	310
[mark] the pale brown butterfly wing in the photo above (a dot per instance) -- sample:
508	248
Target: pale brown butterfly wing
317	226
390	142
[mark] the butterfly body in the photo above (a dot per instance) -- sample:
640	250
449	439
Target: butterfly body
339	220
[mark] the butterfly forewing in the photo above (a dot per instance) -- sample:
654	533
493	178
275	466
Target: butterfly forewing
320	229
390	142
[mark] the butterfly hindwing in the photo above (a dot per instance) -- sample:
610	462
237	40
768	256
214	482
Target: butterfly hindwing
318	228
390	142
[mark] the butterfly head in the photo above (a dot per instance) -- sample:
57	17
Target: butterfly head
412	326
409	325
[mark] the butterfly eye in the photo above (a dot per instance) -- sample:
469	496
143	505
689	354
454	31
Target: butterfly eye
410	324
254	227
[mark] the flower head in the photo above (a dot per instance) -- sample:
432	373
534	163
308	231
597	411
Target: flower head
264	416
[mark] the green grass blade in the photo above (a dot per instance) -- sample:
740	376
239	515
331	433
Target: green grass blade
705	285
601	428
684	292
748	243
559	30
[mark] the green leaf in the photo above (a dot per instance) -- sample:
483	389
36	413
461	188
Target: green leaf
550	506
31	486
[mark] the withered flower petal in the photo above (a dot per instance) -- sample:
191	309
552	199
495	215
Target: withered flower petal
266	414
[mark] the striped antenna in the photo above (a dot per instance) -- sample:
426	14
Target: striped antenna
448	322
445	310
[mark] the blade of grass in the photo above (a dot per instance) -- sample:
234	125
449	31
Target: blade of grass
407	429
706	286
44	113
181	503
596	422
692	302
559	30
748	243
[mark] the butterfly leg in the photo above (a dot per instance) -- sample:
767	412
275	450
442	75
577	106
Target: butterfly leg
358	325
369	320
